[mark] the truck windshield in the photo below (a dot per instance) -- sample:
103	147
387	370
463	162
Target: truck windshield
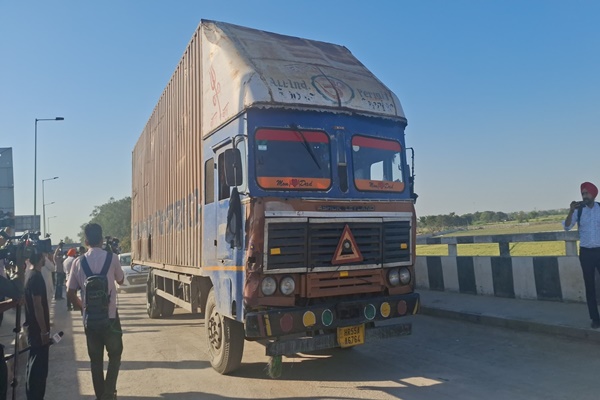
377	164
292	159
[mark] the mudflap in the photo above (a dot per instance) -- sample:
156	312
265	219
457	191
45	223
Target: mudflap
288	347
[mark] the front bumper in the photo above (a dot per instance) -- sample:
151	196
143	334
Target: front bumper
332	315
132	281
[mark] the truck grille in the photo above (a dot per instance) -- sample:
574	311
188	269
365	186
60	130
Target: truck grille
324	239
301	246
332	284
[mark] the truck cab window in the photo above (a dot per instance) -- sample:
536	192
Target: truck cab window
209	181
377	164
292	159
224	190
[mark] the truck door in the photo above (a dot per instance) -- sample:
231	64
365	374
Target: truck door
217	251
224	251
209	214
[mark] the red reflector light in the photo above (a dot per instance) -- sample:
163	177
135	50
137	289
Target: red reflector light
286	322
402	307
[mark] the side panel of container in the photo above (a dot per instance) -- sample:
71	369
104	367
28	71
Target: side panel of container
167	172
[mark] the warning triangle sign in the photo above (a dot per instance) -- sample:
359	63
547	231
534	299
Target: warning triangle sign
347	251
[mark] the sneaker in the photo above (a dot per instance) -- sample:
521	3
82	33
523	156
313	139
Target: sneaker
595	324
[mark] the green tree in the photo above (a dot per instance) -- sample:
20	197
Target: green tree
68	240
115	219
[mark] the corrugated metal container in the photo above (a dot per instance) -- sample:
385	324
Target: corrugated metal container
166	181
225	70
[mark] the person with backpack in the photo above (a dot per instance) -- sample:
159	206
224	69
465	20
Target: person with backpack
587	217
95	273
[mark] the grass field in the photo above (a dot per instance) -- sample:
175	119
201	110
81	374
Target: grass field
547	224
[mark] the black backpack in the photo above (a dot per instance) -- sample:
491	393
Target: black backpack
97	297
579	211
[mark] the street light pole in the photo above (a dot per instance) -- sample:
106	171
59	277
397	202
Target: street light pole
44	202
49	218
35	164
44	215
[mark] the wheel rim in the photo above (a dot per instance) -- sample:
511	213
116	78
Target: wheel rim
215	332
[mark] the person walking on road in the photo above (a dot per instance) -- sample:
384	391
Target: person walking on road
68	263
586	214
37	320
60	272
95	274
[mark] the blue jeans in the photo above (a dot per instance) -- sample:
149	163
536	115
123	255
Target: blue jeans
60	281
110	338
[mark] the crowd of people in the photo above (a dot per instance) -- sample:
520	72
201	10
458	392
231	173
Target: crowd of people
92	271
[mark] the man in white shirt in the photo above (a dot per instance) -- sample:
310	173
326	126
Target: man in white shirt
586	214
71	254
99	263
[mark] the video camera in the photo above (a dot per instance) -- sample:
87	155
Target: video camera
24	246
111	244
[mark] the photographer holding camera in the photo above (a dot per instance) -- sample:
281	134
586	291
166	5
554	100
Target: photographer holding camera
588	222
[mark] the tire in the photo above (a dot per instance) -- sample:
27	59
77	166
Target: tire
152	301
167	308
224	336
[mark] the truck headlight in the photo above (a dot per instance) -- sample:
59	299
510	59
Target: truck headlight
268	286
404	276
394	277
287	285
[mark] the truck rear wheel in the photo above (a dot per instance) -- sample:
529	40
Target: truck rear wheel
167	308
225	338
152	301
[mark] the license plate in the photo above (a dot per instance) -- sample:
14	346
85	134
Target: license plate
349	336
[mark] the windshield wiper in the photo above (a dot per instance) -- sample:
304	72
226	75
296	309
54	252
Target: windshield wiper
306	145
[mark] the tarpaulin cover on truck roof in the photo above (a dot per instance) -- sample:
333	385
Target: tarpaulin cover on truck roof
243	67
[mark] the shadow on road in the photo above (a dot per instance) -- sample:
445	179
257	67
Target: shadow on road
146	365
210	396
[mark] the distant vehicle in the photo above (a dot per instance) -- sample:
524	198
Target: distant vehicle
135	275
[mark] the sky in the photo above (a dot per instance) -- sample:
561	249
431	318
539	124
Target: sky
501	97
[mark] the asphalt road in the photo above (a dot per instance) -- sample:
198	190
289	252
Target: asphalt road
443	359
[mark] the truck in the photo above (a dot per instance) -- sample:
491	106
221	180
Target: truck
272	193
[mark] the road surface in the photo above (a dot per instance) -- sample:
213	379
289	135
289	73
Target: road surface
443	359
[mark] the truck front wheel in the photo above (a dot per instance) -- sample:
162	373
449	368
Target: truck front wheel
225	338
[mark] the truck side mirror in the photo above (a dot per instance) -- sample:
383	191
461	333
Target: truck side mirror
233	167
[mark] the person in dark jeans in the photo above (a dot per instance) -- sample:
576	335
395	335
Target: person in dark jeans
37	320
586	214
111	336
60	273
112	339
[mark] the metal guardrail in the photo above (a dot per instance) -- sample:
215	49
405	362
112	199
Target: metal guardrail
570	238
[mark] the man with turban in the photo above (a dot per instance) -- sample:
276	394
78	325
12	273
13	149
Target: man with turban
586	214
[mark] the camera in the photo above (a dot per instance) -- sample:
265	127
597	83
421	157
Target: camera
24	245
111	244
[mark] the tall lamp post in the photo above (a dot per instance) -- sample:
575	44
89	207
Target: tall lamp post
44	202
44	215
49	218
35	164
